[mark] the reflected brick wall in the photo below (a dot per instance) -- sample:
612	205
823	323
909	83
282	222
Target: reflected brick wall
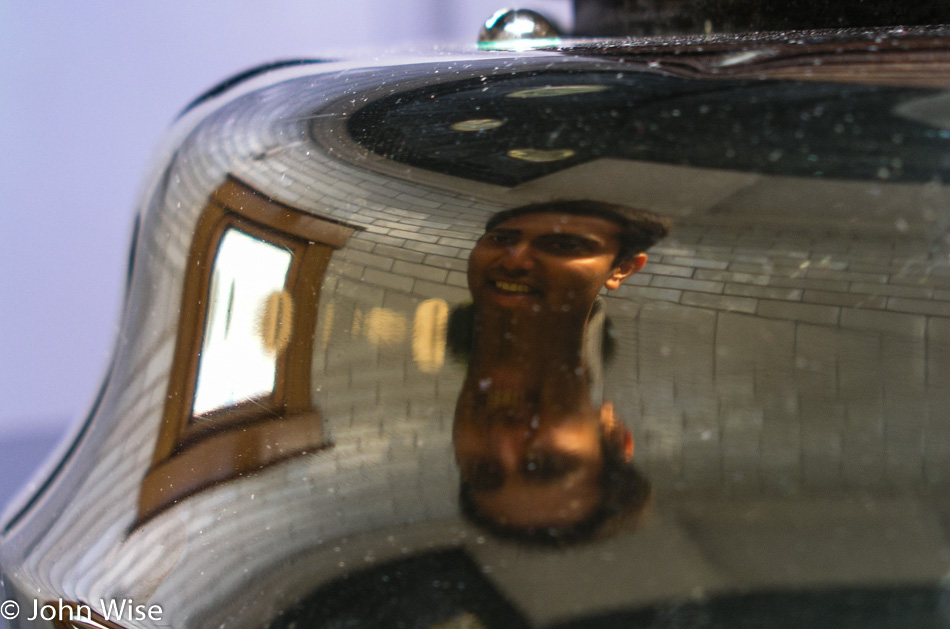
782	359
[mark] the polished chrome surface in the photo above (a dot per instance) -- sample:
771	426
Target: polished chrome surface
379	366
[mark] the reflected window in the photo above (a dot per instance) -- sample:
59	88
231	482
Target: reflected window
249	323
239	389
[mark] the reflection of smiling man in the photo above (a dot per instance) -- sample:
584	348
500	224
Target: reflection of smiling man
537	459
550	263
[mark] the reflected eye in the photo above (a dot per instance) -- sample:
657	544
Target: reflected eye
500	239
546	466
483	475
565	245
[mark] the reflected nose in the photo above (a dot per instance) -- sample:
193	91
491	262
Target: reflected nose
518	258
508	451
513	442
484	475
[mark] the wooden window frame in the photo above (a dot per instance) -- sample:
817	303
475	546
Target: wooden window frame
191	455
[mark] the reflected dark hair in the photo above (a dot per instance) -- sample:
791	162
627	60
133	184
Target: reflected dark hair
641	229
626	494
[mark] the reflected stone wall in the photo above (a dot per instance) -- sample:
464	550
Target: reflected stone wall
763	358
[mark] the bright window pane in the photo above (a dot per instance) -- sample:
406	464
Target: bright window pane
237	362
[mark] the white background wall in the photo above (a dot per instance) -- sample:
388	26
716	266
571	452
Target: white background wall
86	91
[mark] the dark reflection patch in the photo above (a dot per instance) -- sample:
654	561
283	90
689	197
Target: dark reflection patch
843	131
852	608
439	589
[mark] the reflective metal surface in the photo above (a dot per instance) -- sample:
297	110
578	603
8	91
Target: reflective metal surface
581	337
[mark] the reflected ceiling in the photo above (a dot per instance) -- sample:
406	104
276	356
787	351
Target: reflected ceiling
544	122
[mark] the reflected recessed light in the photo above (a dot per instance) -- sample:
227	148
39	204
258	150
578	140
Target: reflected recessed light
477	124
540	155
428	335
383	327
557	90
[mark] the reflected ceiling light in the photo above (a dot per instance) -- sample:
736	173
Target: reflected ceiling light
384	327
477	124
541	155
549	91
276	321
328	316
428	335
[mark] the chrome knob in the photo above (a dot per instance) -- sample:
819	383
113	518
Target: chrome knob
516	24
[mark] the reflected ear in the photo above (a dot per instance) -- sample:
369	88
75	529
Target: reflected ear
625	270
627	445
615	430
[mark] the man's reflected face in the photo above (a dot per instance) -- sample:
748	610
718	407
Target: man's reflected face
546	261
536	473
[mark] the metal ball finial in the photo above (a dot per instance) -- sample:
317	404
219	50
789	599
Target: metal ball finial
516	25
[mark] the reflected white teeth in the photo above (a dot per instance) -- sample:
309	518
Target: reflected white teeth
513	288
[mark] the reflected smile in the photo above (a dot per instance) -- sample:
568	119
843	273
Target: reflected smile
512	287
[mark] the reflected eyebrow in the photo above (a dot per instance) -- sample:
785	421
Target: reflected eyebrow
502	232
571	237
